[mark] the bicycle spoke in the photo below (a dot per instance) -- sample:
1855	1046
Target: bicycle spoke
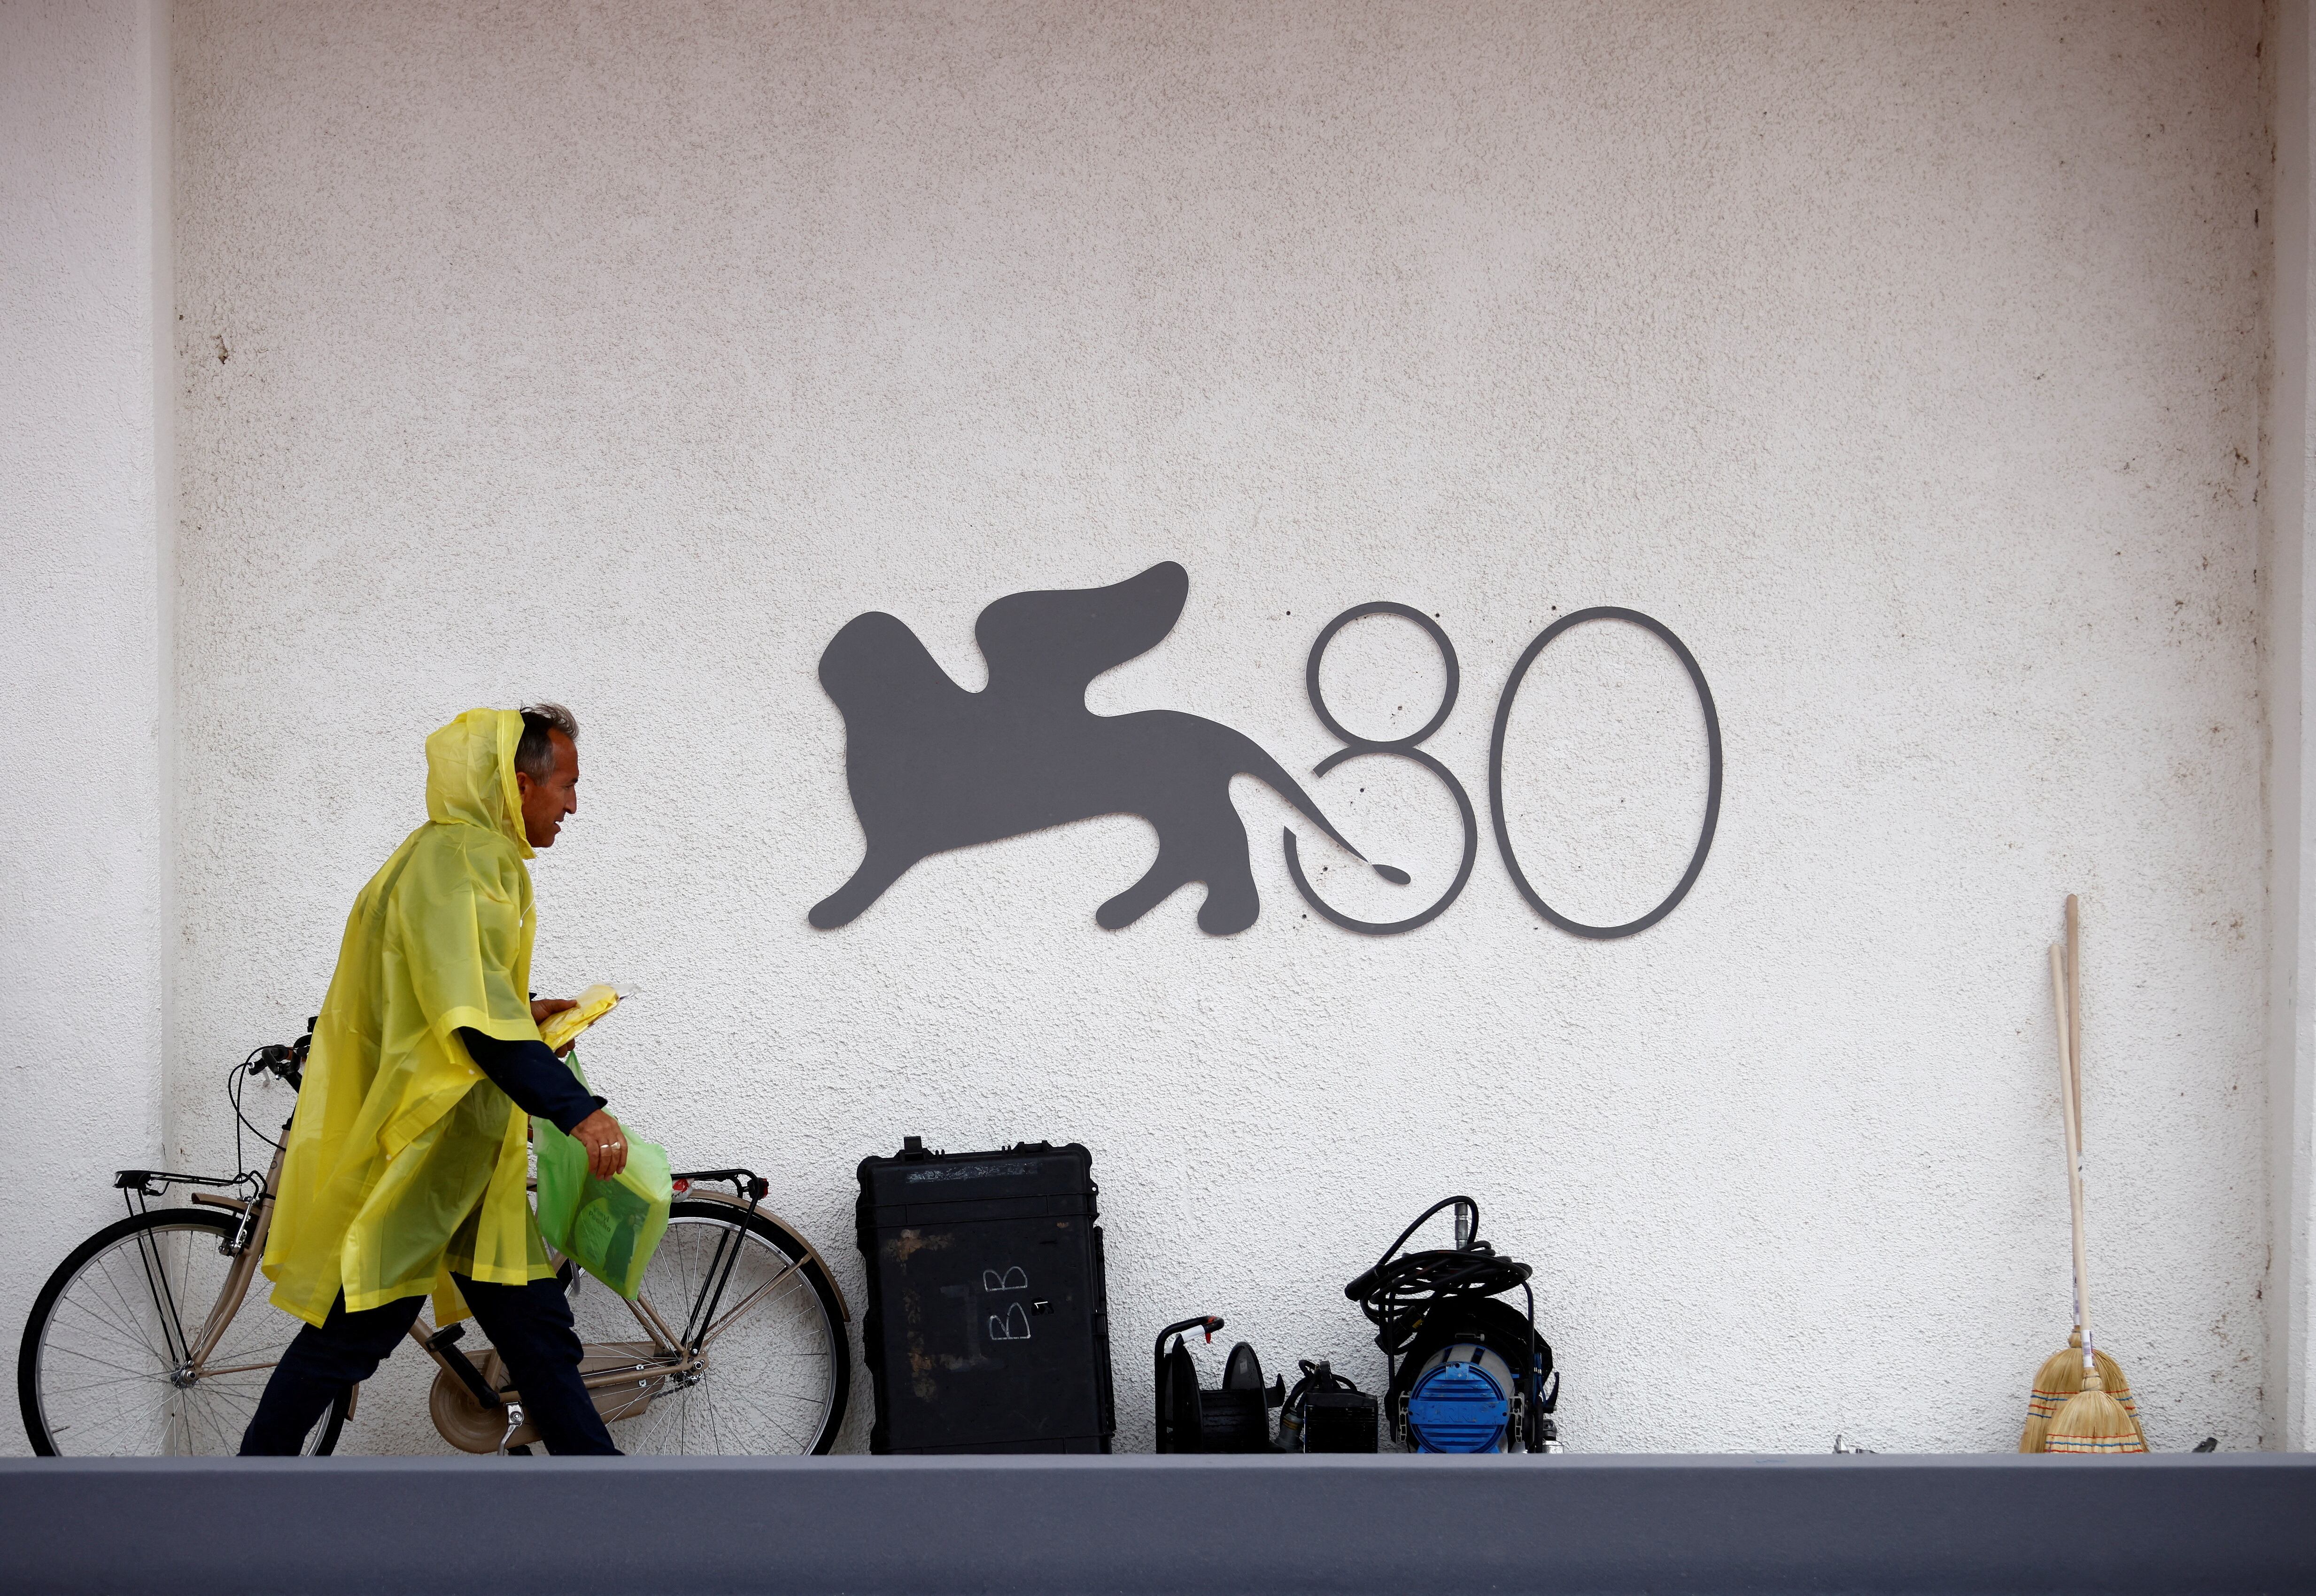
233	1394
191	1413
734	1393
123	1321
145	1354
747	1302
129	1319
155	1408
128	1370
179	1441
793	1397
83	1436
83	1386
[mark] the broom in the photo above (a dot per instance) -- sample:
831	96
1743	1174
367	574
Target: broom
2091	1421
2061	1374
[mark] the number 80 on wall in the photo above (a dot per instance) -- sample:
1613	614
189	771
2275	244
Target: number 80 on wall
1411	748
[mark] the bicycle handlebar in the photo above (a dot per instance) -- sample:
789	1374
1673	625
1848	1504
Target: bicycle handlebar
276	1060
288	1063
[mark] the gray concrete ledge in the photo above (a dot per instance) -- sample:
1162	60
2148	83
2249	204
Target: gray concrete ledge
1023	1525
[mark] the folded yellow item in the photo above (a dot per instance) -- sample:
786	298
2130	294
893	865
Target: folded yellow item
595	1003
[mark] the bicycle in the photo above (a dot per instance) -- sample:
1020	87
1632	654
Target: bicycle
144	1341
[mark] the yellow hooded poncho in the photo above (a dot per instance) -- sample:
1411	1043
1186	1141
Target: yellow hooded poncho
404	1162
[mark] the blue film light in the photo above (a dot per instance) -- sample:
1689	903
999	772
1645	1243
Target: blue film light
1458	1408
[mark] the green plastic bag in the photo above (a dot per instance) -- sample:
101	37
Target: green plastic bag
609	1228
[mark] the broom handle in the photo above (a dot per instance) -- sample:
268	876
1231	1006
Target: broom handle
2074	1159
2075	1005
2075	1047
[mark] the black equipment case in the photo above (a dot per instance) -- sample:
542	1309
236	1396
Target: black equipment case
988	1321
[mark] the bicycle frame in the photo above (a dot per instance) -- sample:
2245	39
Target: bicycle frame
624	1371
673	1356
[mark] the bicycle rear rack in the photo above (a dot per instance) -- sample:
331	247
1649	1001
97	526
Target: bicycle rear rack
751	1187
139	1187
141	1184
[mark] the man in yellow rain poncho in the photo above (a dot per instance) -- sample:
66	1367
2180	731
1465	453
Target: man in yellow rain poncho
407	1166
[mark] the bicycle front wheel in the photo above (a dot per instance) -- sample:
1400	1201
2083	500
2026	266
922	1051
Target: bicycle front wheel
107	1366
774	1366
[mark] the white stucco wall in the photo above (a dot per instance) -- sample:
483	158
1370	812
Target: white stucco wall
1905	360
2292	962
82	456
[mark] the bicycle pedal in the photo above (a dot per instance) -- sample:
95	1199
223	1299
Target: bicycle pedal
514	1423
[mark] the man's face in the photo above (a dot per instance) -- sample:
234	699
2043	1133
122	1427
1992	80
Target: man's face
545	802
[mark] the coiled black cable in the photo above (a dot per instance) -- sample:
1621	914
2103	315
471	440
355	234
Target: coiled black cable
1400	1291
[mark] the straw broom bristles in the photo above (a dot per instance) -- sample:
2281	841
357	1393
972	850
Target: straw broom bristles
2059	1378
2091	1421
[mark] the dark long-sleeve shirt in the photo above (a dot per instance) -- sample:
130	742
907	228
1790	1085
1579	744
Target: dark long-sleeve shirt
529	1072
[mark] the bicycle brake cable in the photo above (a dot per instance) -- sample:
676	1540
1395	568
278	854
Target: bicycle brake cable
233	1081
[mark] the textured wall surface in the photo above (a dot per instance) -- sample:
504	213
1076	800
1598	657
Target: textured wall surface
81	820
2284	499
1905	360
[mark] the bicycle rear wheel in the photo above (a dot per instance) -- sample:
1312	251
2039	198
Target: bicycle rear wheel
777	1367
103	1368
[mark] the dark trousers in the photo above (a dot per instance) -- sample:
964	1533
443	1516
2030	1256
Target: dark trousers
530	1326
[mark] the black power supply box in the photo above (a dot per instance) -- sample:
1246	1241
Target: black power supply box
988	1322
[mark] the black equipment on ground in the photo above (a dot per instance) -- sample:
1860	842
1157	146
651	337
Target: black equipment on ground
988	1321
1326	1413
1234	1418
1468	1374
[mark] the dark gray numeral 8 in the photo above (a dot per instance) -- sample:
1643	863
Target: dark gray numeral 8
1356	747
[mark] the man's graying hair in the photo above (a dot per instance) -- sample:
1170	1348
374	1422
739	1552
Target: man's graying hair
534	755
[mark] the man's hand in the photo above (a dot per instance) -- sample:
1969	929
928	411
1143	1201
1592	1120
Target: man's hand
606	1144
540	1007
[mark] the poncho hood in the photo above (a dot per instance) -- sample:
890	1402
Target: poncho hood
470	775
